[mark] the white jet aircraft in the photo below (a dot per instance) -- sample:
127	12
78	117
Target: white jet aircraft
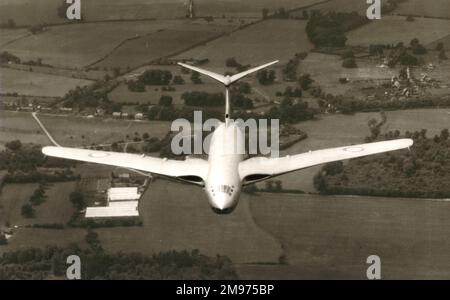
224	173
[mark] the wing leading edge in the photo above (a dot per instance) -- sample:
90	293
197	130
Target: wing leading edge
260	168
181	169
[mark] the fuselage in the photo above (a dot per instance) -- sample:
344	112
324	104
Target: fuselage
223	184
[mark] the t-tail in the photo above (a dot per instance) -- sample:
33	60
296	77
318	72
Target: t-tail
227	81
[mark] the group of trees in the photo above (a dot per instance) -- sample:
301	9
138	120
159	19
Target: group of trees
50	262
154	77
421	172
292	111
203	99
328	30
266	77
441	49
6	57
233	63
36	199
95	95
290	69
280	13
348	60
35	29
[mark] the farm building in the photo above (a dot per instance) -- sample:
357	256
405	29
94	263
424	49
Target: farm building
122	202
123	193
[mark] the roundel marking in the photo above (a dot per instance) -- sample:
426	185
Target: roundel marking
354	149
98	155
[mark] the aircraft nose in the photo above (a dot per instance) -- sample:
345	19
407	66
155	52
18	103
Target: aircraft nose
222	203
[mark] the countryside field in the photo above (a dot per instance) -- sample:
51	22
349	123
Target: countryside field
20	126
340	130
429	8
159	44
178	217
153	93
381	31
26	12
331	237
12	198
317	235
70	46
338	6
256	44
56	209
78	131
9	35
326	69
37	84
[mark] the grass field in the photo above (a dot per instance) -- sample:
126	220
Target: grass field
36	84
256	44
56	209
338	6
331	237
159	44
71	46
430	8
70	73
26	12
12	197
395	29
40	238
178	217
9	35
98	131
21	126
321	66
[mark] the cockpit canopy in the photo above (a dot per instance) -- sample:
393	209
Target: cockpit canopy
226	189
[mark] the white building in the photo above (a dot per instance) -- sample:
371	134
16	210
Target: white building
122	202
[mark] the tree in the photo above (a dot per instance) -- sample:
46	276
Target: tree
15	145
443	55
349	63
116	71
11	23
27	211
408	59
278	186
269	185
305	81
178	80
36	29
195	78
77	200
209	19
266	77
305	14
440	46
3	240
444	135
265	13
165	101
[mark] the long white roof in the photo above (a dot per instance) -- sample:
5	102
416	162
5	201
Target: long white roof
108	211
123	193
